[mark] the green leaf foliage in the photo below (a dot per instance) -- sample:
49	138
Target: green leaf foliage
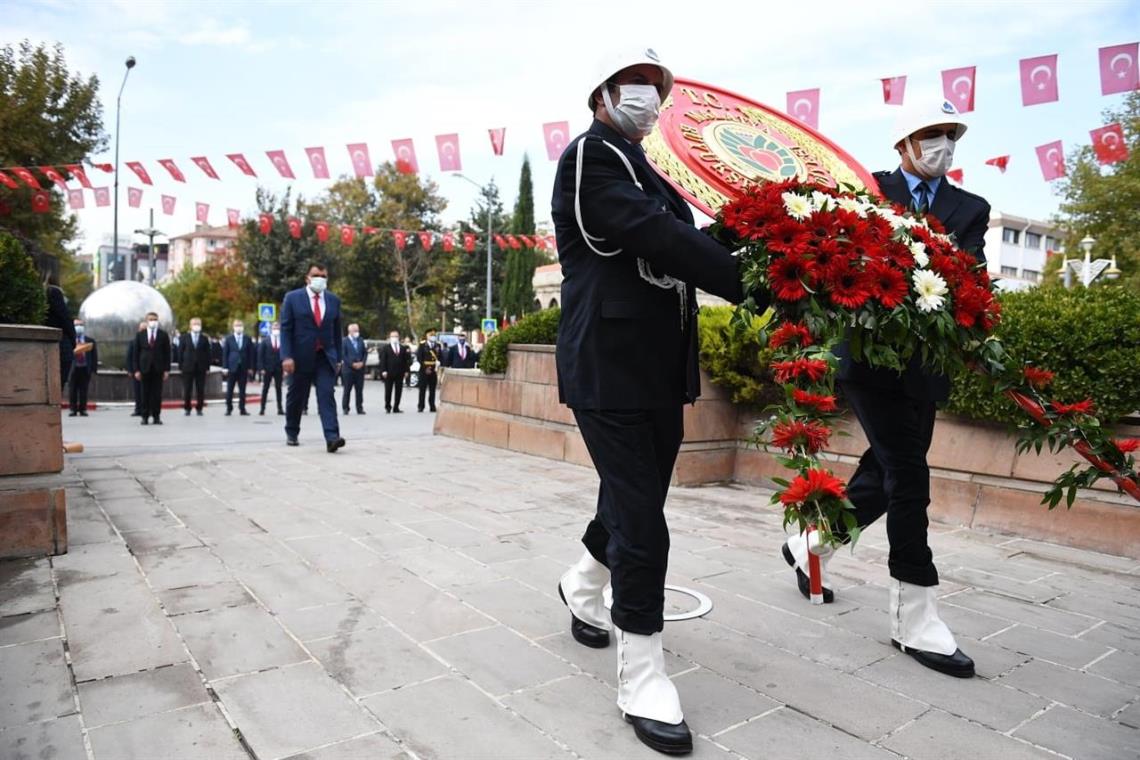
541	327
22	298
735	354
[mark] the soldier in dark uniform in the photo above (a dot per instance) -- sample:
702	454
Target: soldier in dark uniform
427	354
631	260
897	411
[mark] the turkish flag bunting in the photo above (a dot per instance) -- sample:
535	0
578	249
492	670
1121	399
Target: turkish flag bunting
956	174
448	148
277	157
347	234
140	172
498	140
1051	156
361	161
1120	68
175	172
102	196
233	218
958	87
557	136
469	242
540	242
318	162
370	230
894	88
75	199
7	181
134	197
804	105
294	227
999	161
448	242
514	242
500	241
242	164
1039	80
204	164
28	178
76	171
201	212
264	223
405	152
168	204
426	239
104	167
41	201
55	176
322	231
1109	145
400	237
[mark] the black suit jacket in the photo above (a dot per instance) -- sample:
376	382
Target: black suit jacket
191	359
623	342
965	216
458	362
92	359
268	360
152	361
395	363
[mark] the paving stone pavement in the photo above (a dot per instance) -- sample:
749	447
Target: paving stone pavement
399	599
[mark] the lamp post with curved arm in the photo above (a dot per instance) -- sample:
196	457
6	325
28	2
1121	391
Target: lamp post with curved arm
482	189
130	64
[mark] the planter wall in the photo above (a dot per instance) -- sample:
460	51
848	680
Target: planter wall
977	478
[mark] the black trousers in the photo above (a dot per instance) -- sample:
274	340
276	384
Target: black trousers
427	385
633	452
893	477
80	378
274	379
353	379
240	377
151	391
136	385
192	381
393	383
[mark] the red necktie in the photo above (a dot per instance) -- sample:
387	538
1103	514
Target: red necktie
152	339
275	345
317	309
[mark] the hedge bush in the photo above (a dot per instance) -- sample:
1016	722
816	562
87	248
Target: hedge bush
22	297
1089	337
737	359
540	327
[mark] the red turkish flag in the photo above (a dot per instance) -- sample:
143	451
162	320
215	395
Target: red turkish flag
170	166
264	223
102	196
1108	144
514	242
999	161
140	172
1039	80
233	218
134	197
557	136
28	178
894	88
204	164
405	151
540	242
242	164
401	238
448	148
498	140
322	231
104	167
318	162
426	239
277	158
1051	156
370	230
294	227
804	105
41	201
201	212
500	241
347	234
1120	68
168	204
527	240
8	182
956	174
958	87
469	242
51	173
76	171
361	161
448	242
75	199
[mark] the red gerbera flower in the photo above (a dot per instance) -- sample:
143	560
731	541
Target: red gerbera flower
1081	407
1124	445
790	334
790	237
789	277
814	401
887	283
849	287
811	435
970	304
813	485
1037	377
811	369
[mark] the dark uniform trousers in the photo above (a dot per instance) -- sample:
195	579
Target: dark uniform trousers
427	387
194	380
271	378
80	378
353	380
393	384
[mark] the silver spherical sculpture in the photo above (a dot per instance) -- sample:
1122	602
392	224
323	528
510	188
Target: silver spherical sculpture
112	315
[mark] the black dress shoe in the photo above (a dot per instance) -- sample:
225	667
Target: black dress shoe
397	411
281	412
76	414
291	442
433	409
333	445
958	664
243	413
344	411
663	737
261	413
199	412
187	412
145	421
83	414
584	633
805	582
360	411
229	412
157	421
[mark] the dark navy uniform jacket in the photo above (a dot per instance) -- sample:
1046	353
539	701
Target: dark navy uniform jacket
965	216
623	341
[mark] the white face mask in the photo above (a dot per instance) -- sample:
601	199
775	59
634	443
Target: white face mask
152	324
79	329
937	155
195	329
239	330
393	341
354	335
318	284
636	111
276	333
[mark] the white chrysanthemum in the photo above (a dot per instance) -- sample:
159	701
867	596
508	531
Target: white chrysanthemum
866	207
918	250
854	205
798	206
930	288
892	218
821	201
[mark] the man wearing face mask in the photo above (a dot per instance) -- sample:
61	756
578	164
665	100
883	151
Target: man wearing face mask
461	355
239	364
269	365
310	353
194	361
394	361
631	262
353	353
84	365
152	366
897	411
427	354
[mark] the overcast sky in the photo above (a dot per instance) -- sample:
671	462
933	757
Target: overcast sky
216	78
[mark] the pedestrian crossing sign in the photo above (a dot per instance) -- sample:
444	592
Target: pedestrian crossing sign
264	329
267	312
490	326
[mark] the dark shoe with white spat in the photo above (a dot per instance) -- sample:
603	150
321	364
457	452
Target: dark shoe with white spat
668	738
803	581
584	633
958	664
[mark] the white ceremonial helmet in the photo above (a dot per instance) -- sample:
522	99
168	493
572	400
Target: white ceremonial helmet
920	114
614	62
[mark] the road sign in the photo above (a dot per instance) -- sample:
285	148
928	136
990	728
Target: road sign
267	312
263	328
490	326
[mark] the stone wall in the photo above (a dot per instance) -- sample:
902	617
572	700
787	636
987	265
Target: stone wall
977	478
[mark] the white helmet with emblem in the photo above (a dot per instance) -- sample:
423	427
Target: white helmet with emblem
920	114
614	62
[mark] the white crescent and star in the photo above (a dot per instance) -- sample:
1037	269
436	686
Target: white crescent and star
404	153
1127	64
796	108
1046	70
1105	141
969	85
358	157
556	137
1053	155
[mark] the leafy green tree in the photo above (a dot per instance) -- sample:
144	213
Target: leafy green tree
467	299
518	285
218	292
278	262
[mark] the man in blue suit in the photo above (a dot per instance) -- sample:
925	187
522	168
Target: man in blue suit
353	354
310	332
239	364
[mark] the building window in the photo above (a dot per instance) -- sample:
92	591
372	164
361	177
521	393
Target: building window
211	244
1032	240
1031	274
1010	235
1009	271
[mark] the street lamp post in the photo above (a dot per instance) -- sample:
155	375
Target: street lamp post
150	232
130	63
481	188
1089	269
